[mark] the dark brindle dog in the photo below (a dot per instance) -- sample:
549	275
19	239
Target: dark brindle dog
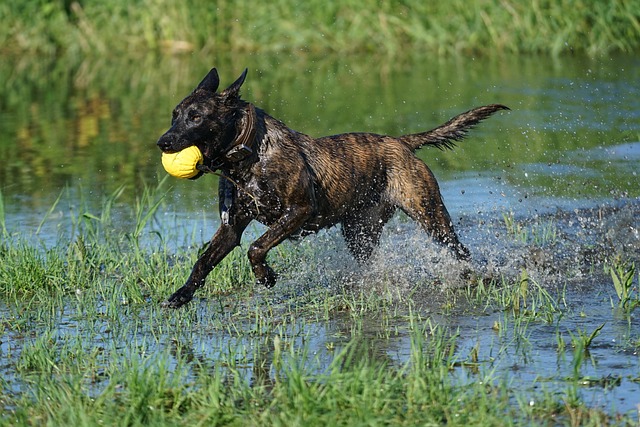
296	185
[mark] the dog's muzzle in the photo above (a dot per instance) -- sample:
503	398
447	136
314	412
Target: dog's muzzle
165	143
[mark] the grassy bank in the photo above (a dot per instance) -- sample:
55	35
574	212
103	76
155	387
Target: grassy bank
387	27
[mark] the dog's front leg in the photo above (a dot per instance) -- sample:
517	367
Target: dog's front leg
226	238
290	222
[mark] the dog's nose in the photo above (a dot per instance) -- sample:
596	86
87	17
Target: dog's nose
164	143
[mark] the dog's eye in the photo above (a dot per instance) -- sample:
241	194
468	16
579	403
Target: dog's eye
194	117
174	116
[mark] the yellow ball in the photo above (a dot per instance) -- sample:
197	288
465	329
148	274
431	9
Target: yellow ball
183	163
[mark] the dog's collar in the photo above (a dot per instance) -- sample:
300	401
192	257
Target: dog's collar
245	140
242	145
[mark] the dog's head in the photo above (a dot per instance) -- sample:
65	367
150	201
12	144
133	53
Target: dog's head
220	124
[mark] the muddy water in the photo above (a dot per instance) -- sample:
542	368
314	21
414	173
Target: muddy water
562	165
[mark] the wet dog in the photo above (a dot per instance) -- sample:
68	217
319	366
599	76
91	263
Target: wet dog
296	185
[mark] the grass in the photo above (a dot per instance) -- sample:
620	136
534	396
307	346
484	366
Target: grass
388	28
539	234
71	384
85	341
144	390
522	297
623	273
3	219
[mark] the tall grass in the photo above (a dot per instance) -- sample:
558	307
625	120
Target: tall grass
3	218
386	27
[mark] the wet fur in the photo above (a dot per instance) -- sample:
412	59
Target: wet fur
296	185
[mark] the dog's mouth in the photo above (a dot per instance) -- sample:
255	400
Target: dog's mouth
206	151
211	160
170	149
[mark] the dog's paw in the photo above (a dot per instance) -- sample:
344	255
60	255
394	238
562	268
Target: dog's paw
178	299
269	279
461	252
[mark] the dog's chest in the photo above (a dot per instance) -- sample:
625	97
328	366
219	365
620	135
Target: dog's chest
254	196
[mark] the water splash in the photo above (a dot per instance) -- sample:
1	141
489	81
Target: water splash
562	247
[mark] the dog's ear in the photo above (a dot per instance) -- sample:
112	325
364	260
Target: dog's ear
210	82
234	89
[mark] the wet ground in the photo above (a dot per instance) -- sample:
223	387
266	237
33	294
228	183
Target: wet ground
534	349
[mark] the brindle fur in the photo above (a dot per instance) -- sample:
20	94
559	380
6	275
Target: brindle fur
296	185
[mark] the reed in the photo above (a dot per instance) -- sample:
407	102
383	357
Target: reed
434	28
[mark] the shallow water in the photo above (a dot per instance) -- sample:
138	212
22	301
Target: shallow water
86	129
563	164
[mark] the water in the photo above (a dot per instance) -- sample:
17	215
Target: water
563	164
91	127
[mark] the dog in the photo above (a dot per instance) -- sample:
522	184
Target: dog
297	185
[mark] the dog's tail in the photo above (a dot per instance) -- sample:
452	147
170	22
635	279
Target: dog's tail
446	135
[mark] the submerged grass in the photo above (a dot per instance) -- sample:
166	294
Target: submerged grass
85	342
387	27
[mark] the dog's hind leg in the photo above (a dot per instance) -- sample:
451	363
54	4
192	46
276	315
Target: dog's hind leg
362	231
416	192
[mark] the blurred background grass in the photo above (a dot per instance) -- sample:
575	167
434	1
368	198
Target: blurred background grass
89	27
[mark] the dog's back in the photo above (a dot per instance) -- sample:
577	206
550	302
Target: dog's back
357	170
362	178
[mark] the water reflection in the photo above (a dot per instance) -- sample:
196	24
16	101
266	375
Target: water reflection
91	126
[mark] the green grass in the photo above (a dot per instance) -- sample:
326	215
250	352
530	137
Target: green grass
623	273
85	341
387	27
539	235
68	383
